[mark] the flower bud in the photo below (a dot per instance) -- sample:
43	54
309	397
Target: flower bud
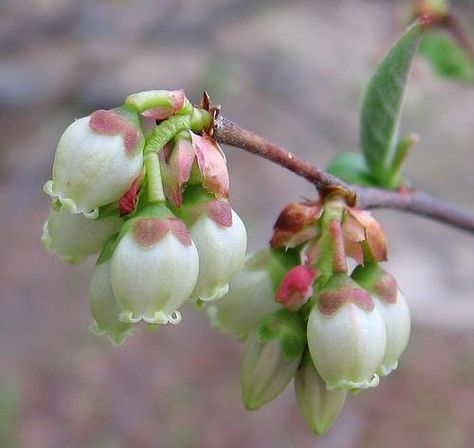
221	241
346	335
97	159
271	357
104	308
393	308
319	406
74	237
296	287
249	299
154	270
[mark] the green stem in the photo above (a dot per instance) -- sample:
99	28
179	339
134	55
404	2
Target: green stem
166	130
153	173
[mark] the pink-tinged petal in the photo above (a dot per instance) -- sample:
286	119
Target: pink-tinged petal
107	122
212	165
337	240
296	288
375	236
180	231
296	224
176	101
386	288
354	251
220	212
332	301
128	201
177	170
149	231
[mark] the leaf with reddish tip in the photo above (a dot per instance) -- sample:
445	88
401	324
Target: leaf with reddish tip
212	165
128	201
107	122
333	300
220	212
296	287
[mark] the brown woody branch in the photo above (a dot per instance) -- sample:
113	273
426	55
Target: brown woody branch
416	202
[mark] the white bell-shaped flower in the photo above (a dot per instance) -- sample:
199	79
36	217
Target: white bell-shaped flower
104	307
271	357
319	406
221	241
74	237
97	159
154	270
394	310
249	299
346	335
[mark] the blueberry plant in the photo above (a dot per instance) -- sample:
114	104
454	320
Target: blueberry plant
145	186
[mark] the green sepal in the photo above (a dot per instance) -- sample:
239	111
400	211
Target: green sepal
380	114
286	326
280	262
108	249
200	119
193	196
351	168
151	99
446	57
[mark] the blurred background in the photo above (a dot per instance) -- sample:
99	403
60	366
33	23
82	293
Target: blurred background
292	71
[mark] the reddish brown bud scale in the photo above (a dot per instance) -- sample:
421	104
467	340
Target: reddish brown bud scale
331	301
294	224
106	122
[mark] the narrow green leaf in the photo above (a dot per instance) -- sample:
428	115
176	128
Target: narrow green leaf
446	57
381	106
351	168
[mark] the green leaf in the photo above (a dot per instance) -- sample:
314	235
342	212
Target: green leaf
381	106
446	57
351	168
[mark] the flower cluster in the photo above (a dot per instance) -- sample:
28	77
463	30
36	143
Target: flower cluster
304	315
145	186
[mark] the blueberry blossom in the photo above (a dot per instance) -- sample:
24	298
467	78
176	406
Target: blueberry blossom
271	357
394	310
154	270
346	335
97	159
74	237
104	308
250	298
319	406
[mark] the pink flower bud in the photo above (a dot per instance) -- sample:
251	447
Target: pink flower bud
296	287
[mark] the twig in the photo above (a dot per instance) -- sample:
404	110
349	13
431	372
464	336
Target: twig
418	203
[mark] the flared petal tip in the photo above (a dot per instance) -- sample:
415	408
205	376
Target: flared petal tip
385	370
216	294
156	318
354	385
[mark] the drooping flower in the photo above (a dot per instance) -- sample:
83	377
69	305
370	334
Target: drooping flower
319	406
249	299
154	270
271	357
221	241
346	335
394	310
97	159
74	237
104	308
